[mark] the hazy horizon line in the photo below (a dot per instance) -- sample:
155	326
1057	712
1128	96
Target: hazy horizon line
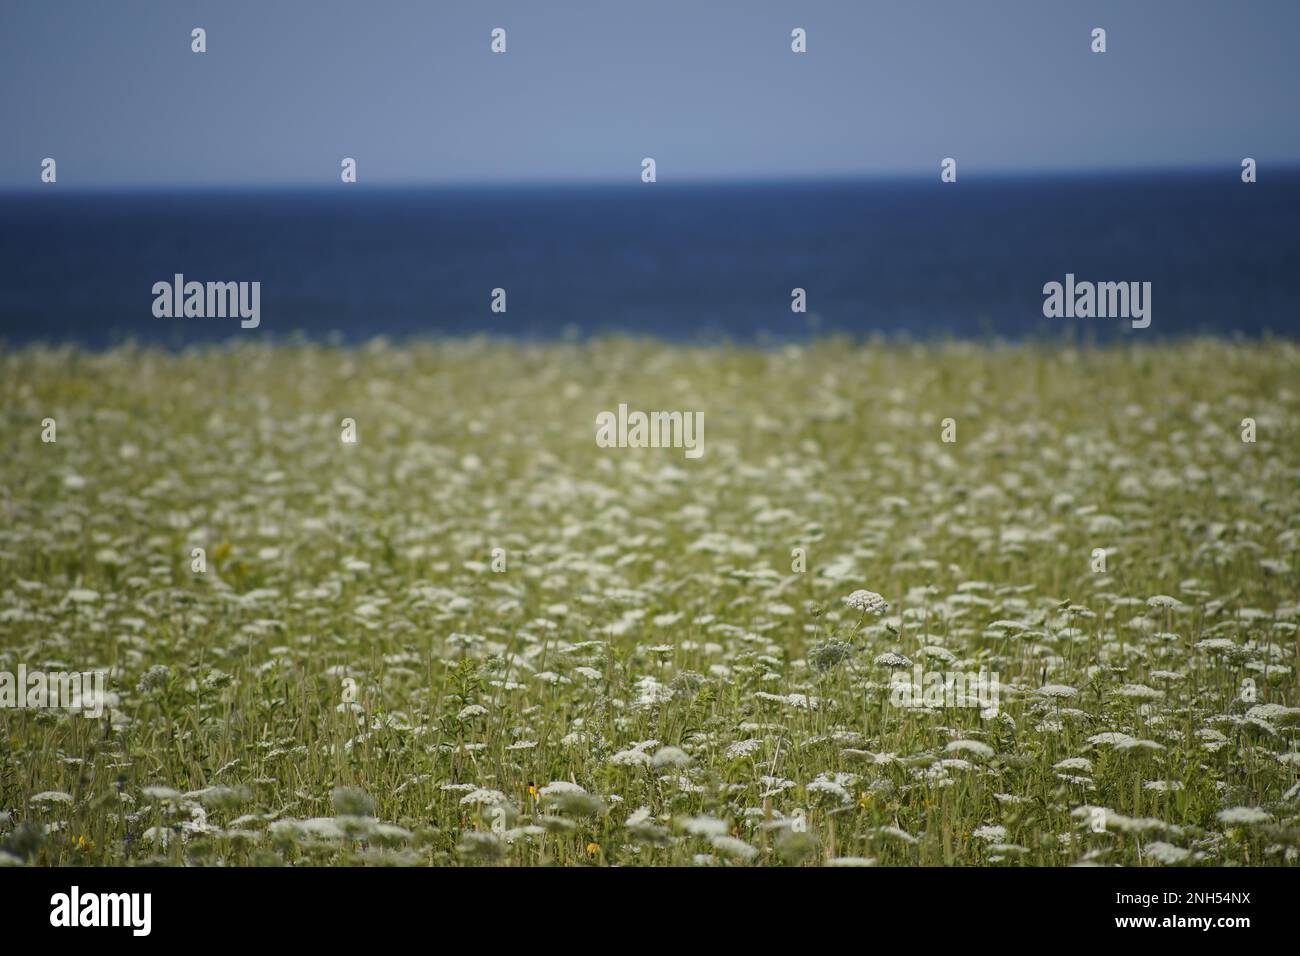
1072	336
633	180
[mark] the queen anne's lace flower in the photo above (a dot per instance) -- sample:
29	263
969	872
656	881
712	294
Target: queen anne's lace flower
829	653
869	602
1243	816
892	659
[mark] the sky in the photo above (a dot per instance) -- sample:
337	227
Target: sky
588	88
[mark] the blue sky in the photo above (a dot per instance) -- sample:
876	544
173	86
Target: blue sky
587	88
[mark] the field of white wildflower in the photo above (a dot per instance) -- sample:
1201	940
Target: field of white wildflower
474	637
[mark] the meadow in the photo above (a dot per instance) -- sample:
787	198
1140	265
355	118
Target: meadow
473	637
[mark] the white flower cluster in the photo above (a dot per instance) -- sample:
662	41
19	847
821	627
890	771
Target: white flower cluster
867	601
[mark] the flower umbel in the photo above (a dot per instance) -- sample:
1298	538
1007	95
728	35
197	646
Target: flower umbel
868	602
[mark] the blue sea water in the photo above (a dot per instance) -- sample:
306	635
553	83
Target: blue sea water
688	262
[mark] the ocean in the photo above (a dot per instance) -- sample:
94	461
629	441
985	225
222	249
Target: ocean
685	262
